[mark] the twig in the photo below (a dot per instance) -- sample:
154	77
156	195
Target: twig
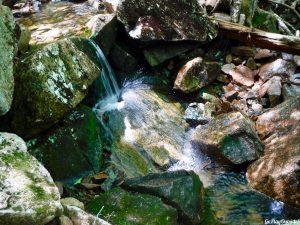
285	5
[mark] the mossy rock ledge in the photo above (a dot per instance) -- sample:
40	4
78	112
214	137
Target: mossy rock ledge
28	193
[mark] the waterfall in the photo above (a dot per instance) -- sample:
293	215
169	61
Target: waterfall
107	76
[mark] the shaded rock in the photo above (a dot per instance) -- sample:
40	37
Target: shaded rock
58	20
242	51
264	54
297	60
168	20
7	49
273	88
121	207
122	59
181	189
197	113
243	75
159	54
64	220
9	3
196	74
277	172
76	140
57	76
230	137
28	193
104	30
278	67
23	36
80	217
251	64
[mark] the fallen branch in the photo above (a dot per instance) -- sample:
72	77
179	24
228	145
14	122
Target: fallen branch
278	42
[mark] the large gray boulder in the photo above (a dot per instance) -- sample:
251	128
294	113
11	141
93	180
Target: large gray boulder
49	84
169	20
28	194
7	48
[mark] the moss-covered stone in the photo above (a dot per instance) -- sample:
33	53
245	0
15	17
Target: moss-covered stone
125	208
230	138
181	189
50	82
72	148
28	193
166	20
7	49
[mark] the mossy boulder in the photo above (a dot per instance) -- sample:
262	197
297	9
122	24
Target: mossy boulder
28	193
169	20
50	82
229	138
72	148
181	189
7	49
124	208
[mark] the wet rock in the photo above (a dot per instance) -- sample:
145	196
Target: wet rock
58	20
76	139
28	193
181	189
243	75
288	91
242	51
123	60
57	76
104	30
159	54
80	217
7	46
230	137
197	113
121	207
277	67
277	172
196	74
148	131
157	20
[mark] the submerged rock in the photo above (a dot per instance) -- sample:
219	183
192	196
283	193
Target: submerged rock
75	140
49	84
7	49
196	74
121	207
181	189
230	138
167	20
28	193
277	172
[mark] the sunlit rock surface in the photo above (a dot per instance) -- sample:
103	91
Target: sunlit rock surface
147	128
49	84
165	20
58	20
229	138
277	172
7	48
75	140
28	194
120	207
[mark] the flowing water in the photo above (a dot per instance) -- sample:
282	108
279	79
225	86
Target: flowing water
149	135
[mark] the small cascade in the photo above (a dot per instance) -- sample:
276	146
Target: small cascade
107	76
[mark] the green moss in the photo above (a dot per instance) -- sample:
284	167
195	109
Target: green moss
39	192
20	160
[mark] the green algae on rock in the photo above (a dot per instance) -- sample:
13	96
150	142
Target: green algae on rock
181	189
7	49
29	195
230	137
72	148
169	20
50	82
124	208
